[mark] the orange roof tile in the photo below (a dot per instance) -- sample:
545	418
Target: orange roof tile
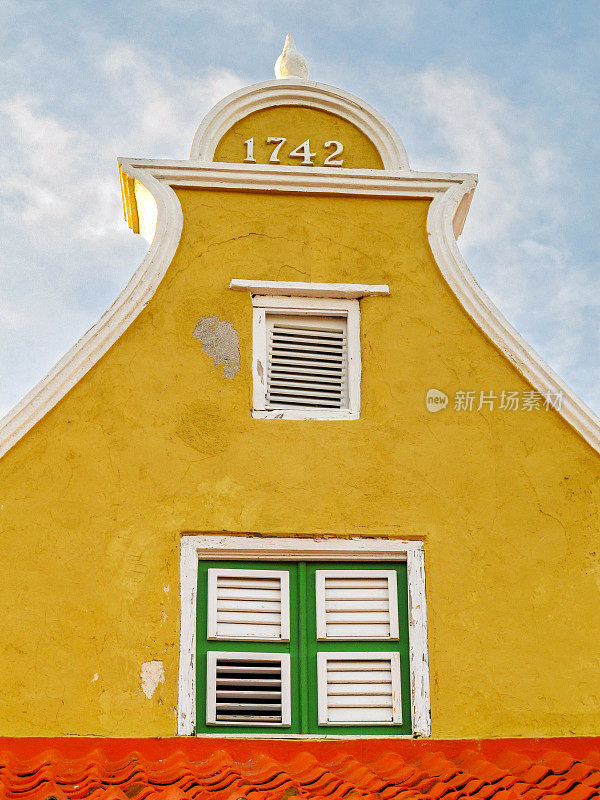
253	769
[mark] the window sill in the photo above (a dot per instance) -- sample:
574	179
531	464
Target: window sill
322	415
306	736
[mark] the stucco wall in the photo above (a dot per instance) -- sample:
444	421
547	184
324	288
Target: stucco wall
156	440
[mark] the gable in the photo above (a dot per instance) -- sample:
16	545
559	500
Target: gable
151	437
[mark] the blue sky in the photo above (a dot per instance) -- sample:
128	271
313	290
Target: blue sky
503	88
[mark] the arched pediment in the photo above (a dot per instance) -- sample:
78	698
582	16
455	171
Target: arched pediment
293	92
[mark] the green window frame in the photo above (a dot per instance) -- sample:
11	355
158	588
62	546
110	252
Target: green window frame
303	649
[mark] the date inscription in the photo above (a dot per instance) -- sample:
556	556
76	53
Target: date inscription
302	152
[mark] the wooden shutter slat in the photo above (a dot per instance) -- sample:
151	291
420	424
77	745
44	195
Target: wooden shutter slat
248	583
256	680
325	384
264	693
360	690
356	676
225	604
250	668
358	617
376	583
359	665
248	707
368	631
384	700
234	630
258	617
358	594
368	604
320	370
278	328
238	593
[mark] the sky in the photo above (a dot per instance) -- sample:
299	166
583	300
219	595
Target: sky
504	88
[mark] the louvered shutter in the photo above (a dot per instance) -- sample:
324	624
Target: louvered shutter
356	604
248	689
248	604
359	688
307	360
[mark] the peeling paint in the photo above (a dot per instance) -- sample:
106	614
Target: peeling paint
220	341
152	673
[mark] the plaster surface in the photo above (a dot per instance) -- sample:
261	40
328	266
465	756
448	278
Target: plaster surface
220	342
155	441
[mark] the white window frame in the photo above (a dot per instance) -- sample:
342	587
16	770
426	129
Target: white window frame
389	574
211	612
219	547
376	655
262	305
211	686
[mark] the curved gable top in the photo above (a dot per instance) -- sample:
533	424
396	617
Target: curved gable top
294	92
148	183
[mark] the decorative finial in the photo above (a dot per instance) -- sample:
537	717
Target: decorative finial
291	63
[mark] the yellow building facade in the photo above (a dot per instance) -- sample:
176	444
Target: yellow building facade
148	434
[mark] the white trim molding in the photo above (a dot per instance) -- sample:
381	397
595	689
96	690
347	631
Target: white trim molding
219	547
450	192
347	291
298	92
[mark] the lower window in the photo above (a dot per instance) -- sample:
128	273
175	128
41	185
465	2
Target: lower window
302	647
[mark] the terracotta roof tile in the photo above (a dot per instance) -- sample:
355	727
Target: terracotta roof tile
208	769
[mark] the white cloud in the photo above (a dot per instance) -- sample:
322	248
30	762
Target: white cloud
67	250
487	134
163	106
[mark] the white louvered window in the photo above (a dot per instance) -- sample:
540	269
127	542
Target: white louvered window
307	362
359	688
306	358
248	689
356	604
248	604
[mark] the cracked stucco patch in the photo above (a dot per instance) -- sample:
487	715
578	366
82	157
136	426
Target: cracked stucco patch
220	341
152	673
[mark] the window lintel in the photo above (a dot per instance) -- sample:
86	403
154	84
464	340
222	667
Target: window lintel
345	291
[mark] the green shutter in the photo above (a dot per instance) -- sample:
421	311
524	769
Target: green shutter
204	645
358	646
303	648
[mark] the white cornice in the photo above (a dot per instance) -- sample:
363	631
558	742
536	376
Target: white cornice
297	92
